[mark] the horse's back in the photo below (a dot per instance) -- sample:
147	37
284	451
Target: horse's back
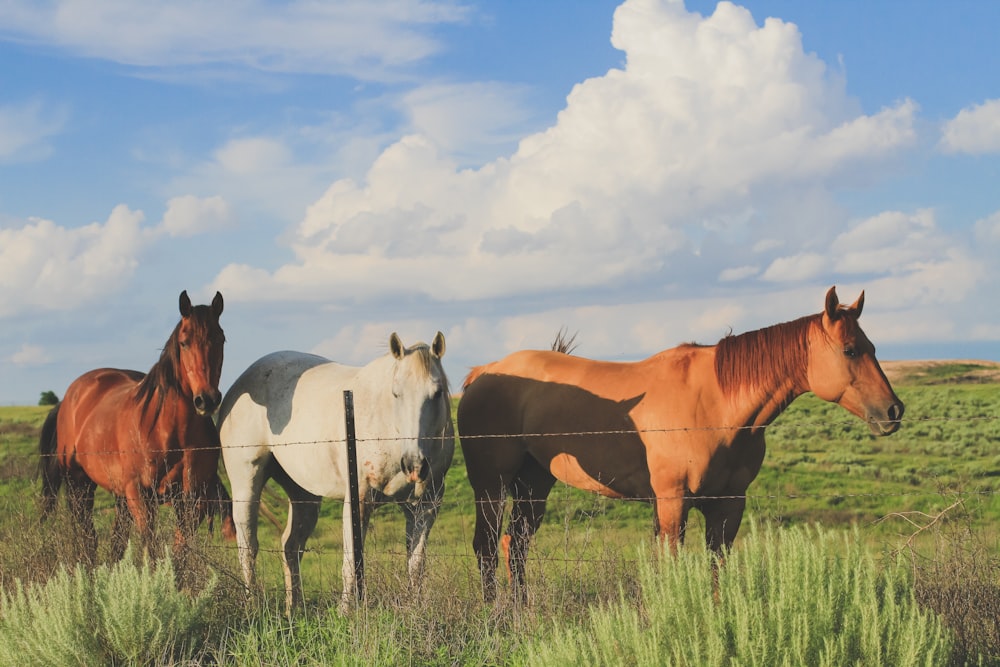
286	406
95	403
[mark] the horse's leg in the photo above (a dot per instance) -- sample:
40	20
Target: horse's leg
670	519
80	498
303	512
247	479
143	511
722	521
120	529
489	519
420	519
354	588
723	517
218	503
530	490
186	509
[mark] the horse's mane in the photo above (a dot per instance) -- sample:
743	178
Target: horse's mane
564	344
764	357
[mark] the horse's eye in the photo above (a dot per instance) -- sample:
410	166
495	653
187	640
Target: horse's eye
849	352
185	345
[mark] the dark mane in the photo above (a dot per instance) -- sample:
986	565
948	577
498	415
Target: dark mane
162	377
763	357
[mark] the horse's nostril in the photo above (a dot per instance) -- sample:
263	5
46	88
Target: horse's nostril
425	469
896	411
199	402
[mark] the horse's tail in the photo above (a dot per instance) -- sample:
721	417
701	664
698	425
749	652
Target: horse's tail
48	462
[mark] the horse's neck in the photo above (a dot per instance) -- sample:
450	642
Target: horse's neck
759	407
372	388
772	377
168	409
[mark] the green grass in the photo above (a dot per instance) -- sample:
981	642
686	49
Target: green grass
822	466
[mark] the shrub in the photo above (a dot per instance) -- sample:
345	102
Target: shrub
118	614
794	597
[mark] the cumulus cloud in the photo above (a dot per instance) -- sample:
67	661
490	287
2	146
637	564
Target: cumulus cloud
974	130
45	266
189	215
25	129
366	40
717	134
468	120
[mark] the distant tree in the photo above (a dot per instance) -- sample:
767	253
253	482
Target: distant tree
48	398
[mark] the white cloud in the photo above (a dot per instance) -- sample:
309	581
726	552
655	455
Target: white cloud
363	39
253	154
738	273
44	266
711	118
30	355
25	129
976	130
189	215
796	268
469	121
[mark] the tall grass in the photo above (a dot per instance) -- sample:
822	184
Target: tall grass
801	596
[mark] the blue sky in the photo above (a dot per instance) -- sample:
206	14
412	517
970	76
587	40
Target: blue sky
644	173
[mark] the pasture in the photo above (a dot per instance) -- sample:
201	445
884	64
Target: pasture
928	494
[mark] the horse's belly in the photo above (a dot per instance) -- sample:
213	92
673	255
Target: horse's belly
313	467
567	469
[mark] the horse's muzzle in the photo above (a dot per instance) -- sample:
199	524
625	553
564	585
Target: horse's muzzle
415	471
890	424
206	403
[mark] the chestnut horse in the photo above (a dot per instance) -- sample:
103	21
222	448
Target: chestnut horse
682	429
146	438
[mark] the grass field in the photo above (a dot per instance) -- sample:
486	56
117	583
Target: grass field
822	467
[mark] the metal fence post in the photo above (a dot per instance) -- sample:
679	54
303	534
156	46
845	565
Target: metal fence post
354	492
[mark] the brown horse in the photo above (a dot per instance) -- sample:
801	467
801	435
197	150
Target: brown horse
681	429
146	438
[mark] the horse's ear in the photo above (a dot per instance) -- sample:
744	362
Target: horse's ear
856	307
217	304
437	347
832	303
185	304
396	346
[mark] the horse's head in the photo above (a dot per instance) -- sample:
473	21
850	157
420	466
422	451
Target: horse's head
421	403
200	340
843	368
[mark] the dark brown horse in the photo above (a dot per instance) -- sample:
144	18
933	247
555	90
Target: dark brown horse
682	429
147	438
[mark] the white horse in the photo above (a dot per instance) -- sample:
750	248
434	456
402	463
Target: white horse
283	418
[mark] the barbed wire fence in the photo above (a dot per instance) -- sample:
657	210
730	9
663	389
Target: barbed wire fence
578	547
